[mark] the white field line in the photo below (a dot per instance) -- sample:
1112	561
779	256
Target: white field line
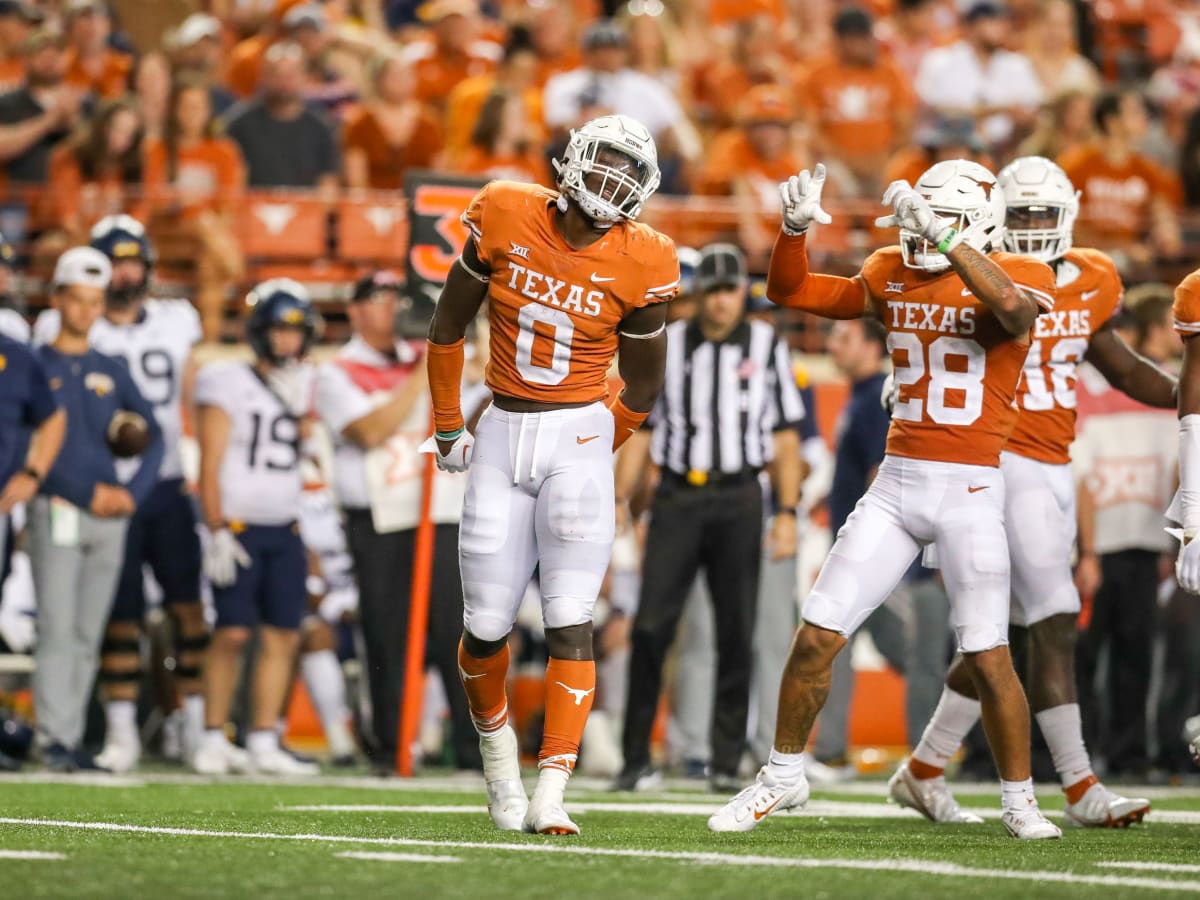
815	808
921	867
30	854
398	857
1151	866
77	780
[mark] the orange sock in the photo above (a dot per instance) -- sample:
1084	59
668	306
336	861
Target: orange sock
570	688
1076	791
922	770
483	680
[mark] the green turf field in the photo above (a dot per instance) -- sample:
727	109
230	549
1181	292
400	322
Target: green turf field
179	837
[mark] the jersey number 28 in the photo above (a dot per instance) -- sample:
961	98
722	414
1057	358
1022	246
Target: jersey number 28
964	378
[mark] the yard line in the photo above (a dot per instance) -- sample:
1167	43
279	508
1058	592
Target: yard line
98	780
30	854
916	866
1152	866
397	857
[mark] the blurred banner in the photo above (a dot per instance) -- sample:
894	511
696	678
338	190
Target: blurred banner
436	237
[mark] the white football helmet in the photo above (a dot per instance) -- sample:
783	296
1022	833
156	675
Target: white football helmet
1036	189
621	192
966	195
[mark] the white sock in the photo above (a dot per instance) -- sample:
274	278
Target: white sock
327	690
1063	731
954	717
214	737
261	742
121	719
1017	794
785	767
551	785
193	721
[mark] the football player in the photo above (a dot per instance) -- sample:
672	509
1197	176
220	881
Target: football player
958	313
248	425
155	338
571	279
1039	503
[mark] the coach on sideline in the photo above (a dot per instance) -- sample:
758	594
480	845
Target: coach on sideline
373	398
77	523
729	407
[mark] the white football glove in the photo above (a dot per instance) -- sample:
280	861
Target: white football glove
801	198
222	557
1187	566
458	459
911	212
889	394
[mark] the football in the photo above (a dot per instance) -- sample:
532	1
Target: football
128	434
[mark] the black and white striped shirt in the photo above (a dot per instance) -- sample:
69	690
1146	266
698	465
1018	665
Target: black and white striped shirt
721	403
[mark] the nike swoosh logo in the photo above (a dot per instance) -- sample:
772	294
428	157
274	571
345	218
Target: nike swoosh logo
466	677
597	279
975	490
584	440
1088	295
759	816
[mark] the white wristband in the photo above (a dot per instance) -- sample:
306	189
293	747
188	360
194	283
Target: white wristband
1189	472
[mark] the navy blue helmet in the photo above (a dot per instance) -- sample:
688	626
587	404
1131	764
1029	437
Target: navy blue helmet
124	237
280	301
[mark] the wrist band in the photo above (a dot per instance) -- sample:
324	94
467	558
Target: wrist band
944	246
449	435
32	473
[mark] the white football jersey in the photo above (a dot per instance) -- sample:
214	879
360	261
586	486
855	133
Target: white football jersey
260	474
321	530
156	348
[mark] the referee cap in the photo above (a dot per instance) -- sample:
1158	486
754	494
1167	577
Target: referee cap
721	266
83	267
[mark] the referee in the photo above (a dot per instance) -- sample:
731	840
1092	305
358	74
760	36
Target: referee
729	409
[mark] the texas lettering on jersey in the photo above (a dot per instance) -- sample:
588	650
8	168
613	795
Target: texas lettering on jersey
956	367
555	311
1087	293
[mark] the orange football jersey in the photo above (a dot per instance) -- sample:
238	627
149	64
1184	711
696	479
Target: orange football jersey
956	366
1087	294
555	311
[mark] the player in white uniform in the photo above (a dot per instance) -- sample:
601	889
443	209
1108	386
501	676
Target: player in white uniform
249	421
155	338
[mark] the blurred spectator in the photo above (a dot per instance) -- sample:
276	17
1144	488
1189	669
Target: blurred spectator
195	181
246	59
719	84
98	172
516	74
949	138
16	21
1064	124
913	29
196	53
859	105
552	30
454	52
36	116
283	142
152	87
391	132
501	145
1128	202
1052	51
306	26
977	76
93	65
655	44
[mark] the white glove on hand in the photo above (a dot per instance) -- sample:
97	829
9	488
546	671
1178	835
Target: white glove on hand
801	198
889	394
222	557
1187	566
911	212
457	459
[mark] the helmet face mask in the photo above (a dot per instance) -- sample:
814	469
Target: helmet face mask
1042	208
967	196
610	169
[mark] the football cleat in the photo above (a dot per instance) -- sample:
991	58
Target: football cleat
646	778
220	758
1101	808
931	797
1029	824
547	816
120	756
278	761
762	798
507	803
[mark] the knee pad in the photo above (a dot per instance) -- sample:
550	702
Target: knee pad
563	612
486	626
977	638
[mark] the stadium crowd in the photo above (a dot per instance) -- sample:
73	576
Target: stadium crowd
181	114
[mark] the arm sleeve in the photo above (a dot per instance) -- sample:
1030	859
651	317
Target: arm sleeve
146	476
790	284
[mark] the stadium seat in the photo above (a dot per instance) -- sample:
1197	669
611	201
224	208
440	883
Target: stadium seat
372	231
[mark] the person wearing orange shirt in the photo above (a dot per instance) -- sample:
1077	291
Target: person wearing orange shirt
516	74
454	52
501	144
194	182
92	65
571	281
756	57
391	132
1128	203
859	104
